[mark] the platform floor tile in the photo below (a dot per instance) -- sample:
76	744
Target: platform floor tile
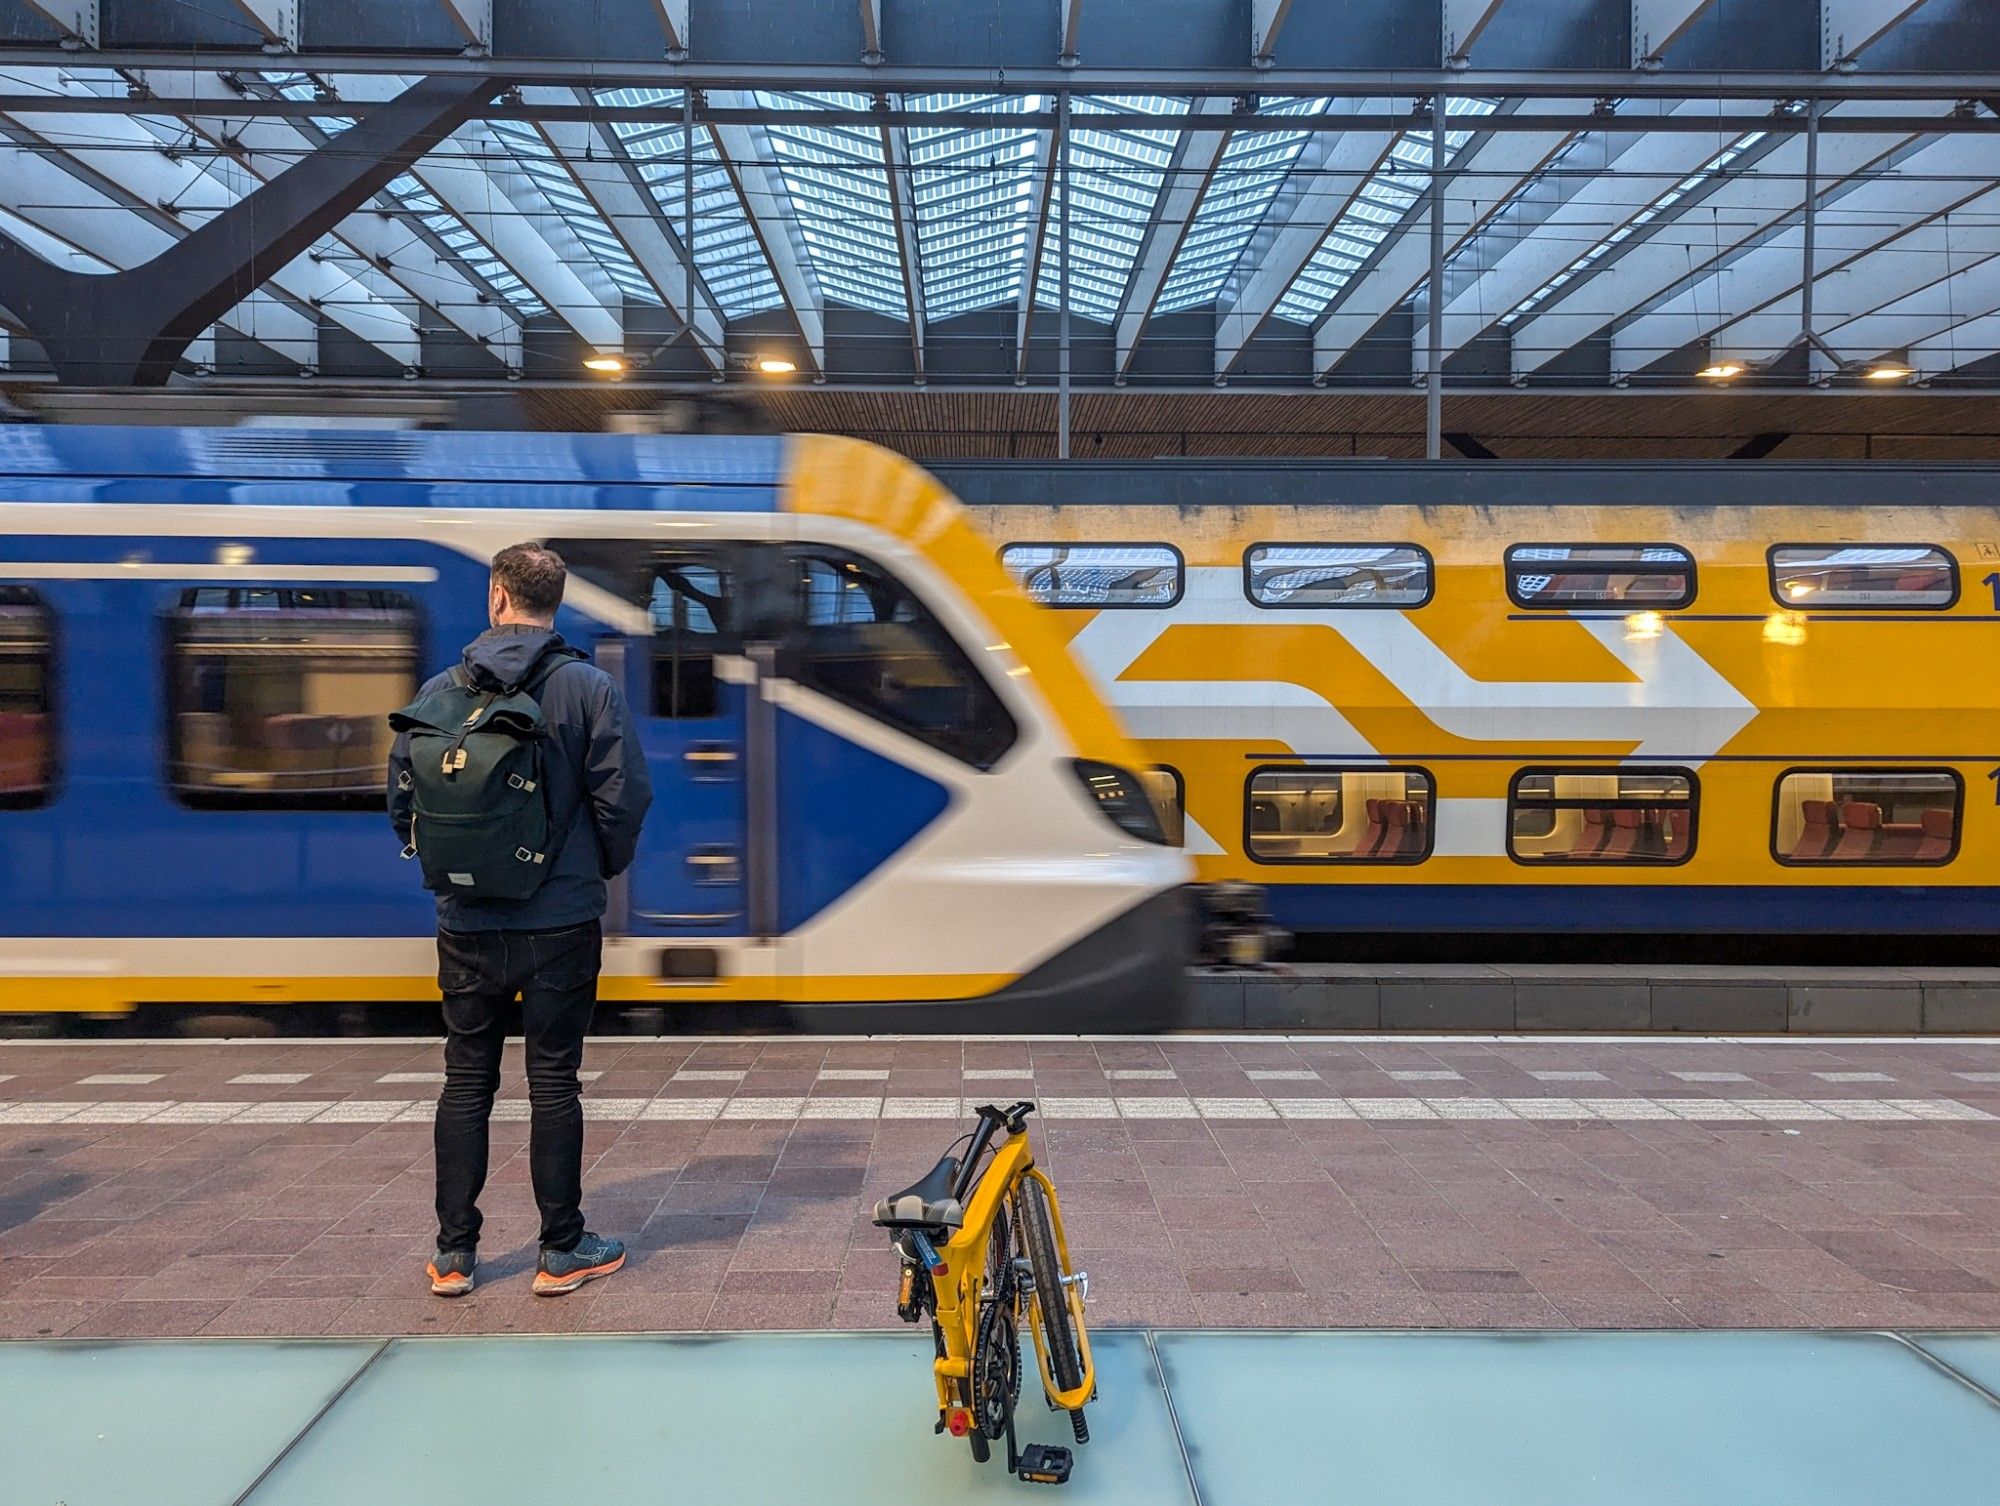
1781	1419
99	1424
837	1420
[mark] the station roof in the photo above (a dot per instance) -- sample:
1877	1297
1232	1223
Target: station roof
1218	191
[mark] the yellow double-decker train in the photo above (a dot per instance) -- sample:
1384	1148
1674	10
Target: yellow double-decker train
1487	697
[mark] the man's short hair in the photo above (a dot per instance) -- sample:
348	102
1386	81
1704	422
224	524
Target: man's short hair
533	576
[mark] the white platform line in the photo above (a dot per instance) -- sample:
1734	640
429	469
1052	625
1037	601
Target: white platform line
795	1108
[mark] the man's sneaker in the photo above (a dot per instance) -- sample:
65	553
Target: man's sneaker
566	1270
451	1272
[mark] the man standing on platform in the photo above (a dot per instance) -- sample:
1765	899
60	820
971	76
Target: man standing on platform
518	781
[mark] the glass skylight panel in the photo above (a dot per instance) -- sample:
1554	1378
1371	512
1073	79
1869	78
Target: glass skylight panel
838	179
726	249
974	194
1702	175
1371	217
1248	175
537	159
409	195
1116	172
406	194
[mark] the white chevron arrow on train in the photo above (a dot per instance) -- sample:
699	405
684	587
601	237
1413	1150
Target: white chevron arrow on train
1676	705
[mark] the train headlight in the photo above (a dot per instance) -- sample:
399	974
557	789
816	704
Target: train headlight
1122	798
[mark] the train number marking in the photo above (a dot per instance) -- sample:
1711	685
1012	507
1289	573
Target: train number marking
1994	775
1993	580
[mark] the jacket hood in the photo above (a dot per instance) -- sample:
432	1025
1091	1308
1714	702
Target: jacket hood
504	656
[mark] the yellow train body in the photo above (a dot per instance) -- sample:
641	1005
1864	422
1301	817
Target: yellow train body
1760	701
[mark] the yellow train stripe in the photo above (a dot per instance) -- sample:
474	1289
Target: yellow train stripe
121	994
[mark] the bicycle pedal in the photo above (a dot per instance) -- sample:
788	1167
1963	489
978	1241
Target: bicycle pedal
1044	1464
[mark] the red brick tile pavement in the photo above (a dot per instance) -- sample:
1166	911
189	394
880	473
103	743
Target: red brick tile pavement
110	1230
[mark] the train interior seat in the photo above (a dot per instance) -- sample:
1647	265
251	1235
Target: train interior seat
1860	829
1935	845
1819	831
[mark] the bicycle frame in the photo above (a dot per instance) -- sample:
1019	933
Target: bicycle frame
959	1290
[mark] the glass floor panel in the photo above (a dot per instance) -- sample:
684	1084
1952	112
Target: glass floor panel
1411	1419
167	1424
1368	1419
837	1420
1976	1356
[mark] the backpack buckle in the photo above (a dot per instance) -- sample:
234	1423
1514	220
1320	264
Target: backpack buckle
409	851
523	855
454	760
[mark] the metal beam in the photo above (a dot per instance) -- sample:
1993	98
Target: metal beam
871	31
1893	264
474	20
903	206
1847	28
1071	21
393	251
1184	187
104	228
1855	216
278	20
610	181
1463	21
1220	81
150	313
1929	319
1322	183
77	20
1702	228
673	18
1483	177
1041	196
472	177
1913	286
1517	259
1658	24
1267	19
746	155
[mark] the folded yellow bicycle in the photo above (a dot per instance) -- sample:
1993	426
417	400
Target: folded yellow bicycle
955	1230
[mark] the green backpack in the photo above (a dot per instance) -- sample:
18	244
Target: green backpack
480	820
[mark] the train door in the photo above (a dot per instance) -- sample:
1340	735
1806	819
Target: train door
687	675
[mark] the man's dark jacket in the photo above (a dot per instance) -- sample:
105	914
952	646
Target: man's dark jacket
593	765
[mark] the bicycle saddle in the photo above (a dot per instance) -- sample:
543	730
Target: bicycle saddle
926	1203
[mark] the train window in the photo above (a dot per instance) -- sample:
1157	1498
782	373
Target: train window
1642	816
1359	815
27	700
1168	791
690	606
1097	575
1909	577
860	636
1906	818
1337	575
1652	577
278	697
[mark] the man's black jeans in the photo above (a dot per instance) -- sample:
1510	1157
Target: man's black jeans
480	972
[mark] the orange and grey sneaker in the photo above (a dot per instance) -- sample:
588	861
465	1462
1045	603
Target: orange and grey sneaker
451	1272
565	1270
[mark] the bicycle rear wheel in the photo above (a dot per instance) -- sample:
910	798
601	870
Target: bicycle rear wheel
1051	1295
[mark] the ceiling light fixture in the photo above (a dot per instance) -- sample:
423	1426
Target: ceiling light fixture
776	366
609	365
1721	371
1888	371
